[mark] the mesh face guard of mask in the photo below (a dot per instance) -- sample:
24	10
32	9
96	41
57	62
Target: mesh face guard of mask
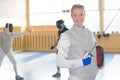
8	27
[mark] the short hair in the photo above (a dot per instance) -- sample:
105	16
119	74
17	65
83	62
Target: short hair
77	6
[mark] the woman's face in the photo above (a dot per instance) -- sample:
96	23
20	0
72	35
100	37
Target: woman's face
78	16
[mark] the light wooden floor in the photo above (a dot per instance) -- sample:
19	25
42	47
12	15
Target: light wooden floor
42	65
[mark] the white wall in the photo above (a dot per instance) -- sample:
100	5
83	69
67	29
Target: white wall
11	11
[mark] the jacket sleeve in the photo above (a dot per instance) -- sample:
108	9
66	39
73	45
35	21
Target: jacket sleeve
19	34
62	56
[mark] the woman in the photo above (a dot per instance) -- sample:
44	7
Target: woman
76	48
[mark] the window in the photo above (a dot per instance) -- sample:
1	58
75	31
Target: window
112	16
12	11
46	12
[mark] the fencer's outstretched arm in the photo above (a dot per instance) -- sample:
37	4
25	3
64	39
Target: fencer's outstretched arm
21	33
62	56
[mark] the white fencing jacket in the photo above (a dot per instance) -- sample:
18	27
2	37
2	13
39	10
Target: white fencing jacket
6	40
71	52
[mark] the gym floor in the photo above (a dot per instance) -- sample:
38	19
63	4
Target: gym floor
42	65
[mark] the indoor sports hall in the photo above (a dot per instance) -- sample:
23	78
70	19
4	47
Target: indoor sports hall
33	52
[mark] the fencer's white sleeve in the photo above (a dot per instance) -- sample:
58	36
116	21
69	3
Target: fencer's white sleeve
19	34
62	56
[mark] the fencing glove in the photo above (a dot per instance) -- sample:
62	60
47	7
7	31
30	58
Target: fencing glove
87	60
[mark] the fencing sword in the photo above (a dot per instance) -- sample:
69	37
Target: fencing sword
89	52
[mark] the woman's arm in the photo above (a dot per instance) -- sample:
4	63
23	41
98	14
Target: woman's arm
62	56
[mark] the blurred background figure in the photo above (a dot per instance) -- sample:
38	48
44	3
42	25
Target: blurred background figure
61	28
6	41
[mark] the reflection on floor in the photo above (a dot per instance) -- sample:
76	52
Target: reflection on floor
42	65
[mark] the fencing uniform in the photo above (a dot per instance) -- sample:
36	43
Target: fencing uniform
6	40
71	51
